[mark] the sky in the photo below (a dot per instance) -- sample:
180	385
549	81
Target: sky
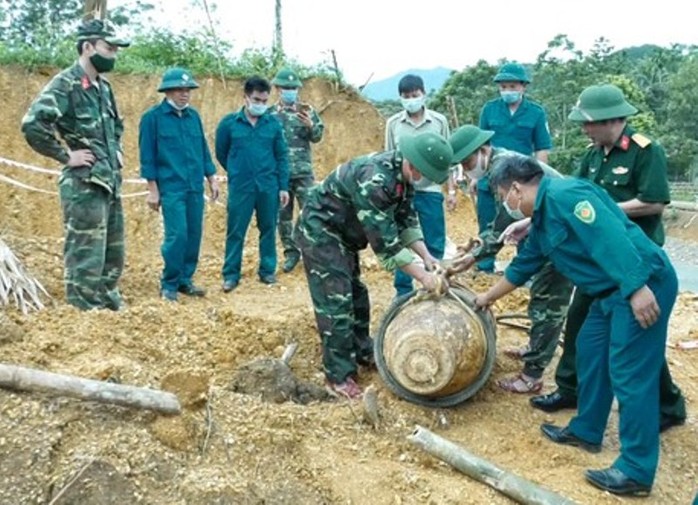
378	38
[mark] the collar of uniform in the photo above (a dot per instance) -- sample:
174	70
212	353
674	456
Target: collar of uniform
623	142
241	116
542	190
81	75
168	109
523	105
428	116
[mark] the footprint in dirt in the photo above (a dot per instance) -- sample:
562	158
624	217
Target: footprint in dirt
274	381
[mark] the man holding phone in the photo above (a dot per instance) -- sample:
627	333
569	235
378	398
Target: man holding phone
302	126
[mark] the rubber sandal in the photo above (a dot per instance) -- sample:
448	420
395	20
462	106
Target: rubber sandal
517	352
521	384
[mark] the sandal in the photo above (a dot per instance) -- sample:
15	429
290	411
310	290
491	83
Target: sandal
517	352
521	383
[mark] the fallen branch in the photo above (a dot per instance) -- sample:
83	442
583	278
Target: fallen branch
17	284
289	352
515	487
28	379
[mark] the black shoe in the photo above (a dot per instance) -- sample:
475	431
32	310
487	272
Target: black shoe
267	279
666	422
191	290
553	402
169	295
566	437
616	482
228	286
290	263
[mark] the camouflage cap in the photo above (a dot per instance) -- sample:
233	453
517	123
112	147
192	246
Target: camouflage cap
287	78
101	29
466	140
598	103
430	153
175	78
512	72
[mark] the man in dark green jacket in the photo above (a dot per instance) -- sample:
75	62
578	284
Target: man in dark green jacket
175	159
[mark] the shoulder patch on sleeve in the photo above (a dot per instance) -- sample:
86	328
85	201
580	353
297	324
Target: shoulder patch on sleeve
641	140
585	212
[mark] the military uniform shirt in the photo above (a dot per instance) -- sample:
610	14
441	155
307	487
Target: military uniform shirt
589	240
299	137
400	124
525	131
255	156
635	167
85	116
173	149
365	201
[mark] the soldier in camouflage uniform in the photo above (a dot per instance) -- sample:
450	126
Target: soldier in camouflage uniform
550	292
78	104
367	200
302	125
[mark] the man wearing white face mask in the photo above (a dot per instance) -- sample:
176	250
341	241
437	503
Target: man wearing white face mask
519	125
251	147
550	291
428	200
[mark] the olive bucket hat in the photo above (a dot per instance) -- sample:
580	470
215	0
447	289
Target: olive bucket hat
601	102
175	78
101	29
512	72
430	153
466	140
287	78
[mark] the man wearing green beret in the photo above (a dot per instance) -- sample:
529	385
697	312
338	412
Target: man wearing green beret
78	106
632	169
520	125
302	127
367	200
175	159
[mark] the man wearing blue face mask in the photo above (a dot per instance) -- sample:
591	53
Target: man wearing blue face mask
251	147
428	199
302	127
519	125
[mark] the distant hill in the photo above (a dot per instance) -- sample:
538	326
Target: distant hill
386	89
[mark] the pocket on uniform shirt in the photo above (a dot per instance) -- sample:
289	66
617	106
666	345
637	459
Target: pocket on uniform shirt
552	240
617	179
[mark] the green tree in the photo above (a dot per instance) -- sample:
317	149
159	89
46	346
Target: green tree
469	90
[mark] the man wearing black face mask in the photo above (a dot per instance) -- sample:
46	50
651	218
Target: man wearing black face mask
78	105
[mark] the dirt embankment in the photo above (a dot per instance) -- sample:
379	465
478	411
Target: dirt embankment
232	448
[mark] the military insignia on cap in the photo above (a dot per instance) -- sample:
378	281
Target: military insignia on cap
620	170
185	77
291	77
585	212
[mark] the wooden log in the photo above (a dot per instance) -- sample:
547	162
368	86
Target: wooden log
28	379
515	487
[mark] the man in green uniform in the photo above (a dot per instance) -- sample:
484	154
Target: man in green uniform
550	291
520	125
78	105
302	126
632	169
621	345
175	159
367	200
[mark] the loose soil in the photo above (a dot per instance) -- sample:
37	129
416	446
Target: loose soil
235	444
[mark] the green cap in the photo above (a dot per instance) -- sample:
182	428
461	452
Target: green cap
512	72
430	153
177	77
101	29
466	140
287	78
601	102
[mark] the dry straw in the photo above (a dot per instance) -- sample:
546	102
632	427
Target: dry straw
17	284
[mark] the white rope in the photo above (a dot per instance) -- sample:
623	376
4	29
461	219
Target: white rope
41	170
14	182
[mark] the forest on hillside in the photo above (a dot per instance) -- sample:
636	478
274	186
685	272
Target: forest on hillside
659	81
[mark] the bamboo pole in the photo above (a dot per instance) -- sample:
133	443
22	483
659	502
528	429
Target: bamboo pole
515	487
28	379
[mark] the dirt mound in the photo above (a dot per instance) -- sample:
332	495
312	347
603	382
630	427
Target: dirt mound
233	448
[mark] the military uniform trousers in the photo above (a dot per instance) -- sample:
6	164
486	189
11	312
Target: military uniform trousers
617	357
341	304
265	205
93	224
486	209
182	214
671	401
429	206
549	299
298	189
